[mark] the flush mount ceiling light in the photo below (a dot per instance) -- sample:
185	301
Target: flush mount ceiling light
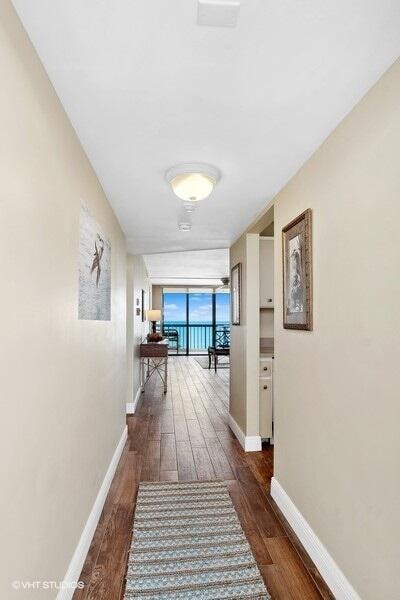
192	181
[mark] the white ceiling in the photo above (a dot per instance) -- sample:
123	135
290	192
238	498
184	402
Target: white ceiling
201	267
146	88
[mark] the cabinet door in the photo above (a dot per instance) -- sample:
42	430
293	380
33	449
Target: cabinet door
267	273
265	396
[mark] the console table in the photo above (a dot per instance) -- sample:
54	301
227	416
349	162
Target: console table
154	359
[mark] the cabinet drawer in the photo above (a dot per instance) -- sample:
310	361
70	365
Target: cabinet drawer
266	367
265	396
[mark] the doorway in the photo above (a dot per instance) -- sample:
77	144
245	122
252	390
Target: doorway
191	315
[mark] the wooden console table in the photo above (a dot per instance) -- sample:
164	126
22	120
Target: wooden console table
154	359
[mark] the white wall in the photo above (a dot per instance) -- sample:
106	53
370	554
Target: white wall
137	279
337	401
62	381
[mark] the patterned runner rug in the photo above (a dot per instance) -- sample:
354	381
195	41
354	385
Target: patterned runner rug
188	544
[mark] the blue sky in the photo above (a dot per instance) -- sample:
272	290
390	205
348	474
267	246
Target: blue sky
200	307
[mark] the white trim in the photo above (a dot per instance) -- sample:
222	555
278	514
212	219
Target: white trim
131	406
249	443
79	556
252	443
331	573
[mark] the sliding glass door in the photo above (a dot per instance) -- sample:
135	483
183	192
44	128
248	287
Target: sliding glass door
175	318
200	321
222	307
190	316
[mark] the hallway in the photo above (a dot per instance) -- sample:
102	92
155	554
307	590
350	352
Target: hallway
184	436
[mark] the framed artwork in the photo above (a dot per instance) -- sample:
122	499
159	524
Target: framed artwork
297	273
94	302
143	306
236	284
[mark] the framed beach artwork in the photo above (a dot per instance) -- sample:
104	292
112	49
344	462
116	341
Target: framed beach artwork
297	273
236	283
94	270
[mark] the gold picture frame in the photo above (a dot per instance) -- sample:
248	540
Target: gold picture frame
297	273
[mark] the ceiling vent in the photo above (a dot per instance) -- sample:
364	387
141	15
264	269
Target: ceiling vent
184	226
218	13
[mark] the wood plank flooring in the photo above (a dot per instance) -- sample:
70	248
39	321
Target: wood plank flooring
184	435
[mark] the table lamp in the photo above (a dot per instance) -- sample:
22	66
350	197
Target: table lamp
153	316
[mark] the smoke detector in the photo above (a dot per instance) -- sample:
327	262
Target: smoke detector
189	206
218	13
185	220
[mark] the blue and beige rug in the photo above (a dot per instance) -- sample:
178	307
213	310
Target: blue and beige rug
223	362
188	544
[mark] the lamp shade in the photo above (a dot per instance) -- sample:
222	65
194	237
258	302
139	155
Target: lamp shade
153	315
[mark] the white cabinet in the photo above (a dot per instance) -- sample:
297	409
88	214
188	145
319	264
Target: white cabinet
266	396
266	273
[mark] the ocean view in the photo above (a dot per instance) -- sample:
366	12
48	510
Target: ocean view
193	314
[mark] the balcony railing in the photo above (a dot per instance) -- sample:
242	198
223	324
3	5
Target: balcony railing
192	339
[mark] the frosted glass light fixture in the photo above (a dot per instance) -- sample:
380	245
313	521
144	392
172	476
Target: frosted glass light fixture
192	181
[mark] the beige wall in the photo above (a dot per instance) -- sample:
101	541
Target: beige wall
63	381
245	338
137	280
237	403
337	401
266	323
156	297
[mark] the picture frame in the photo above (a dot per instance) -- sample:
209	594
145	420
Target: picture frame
143	306
297	273
94	286
236	285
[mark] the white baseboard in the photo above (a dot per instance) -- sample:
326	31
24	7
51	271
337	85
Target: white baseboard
252	443
79	557
249	443
131	406
331	573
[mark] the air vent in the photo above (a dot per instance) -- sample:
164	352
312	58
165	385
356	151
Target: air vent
184	226
218	13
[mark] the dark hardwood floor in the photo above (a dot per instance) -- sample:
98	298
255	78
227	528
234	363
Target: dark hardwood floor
184	435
